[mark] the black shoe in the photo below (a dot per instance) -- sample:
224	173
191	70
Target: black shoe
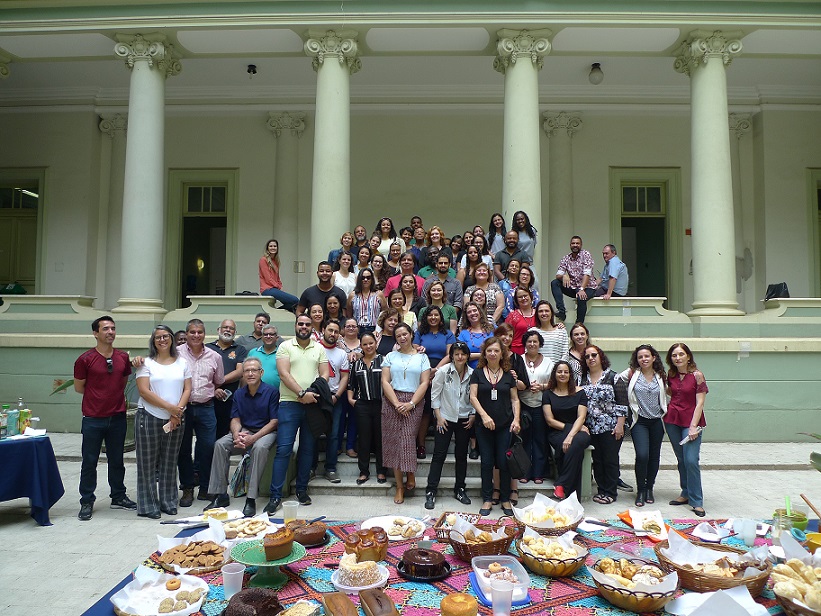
679	502
624	487
187	497
250	509
507	510
169	511
561	315
648	496
86	509
462	496
699	512
303	498
123	502
205	496
273	505
220	500
151	516
474	454
430	500
640	498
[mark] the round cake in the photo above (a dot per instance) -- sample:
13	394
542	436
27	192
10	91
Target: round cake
369	544
307	534
254	602
357	574
459	604
279	544
423	563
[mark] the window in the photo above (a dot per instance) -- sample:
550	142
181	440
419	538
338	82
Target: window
19	196
205	200
648	199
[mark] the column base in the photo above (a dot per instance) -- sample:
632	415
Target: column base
137	305
715	309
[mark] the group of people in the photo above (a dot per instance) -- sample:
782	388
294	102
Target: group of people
403	332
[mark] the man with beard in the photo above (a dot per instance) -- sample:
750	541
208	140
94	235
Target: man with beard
360	235
100	375
444	274
319	293
338	371
254	339
511	251
232	357
300	361
573	278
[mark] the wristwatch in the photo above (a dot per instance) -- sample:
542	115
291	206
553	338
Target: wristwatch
302	393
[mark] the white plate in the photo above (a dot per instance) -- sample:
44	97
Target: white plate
384	574
136	599
386	521
233	514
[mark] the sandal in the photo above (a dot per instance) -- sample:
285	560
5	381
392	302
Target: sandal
524	480
495	499
514	501
538	481
603	499
410	487
399	498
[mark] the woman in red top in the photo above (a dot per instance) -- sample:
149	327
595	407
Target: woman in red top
684	421
522	318
269	281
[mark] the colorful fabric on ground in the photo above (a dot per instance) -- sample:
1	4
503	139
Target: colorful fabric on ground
576	596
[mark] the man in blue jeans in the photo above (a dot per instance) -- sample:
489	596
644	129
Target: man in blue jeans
100	375
300	361
338	371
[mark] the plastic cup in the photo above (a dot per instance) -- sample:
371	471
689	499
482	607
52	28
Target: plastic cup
781	524
746	531
232	575
289	511
502	597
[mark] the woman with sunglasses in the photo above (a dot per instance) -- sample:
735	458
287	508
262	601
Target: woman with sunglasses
364	304
164	383
606	414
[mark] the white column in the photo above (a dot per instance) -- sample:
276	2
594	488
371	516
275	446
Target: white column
704	57
114	126
740	125
287	127
151	60
334	60
560	128
519	56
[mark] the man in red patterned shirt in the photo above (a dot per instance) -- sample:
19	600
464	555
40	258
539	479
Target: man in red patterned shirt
574	279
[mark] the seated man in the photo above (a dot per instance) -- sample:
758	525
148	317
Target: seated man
614	276
253	424
573	278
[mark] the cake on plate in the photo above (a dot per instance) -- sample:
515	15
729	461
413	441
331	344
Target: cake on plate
279	544
355	574
254	602
422	563
368	544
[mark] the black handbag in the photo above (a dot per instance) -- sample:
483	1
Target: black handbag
518	462
774	291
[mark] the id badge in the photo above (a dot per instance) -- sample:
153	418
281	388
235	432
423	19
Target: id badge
494	395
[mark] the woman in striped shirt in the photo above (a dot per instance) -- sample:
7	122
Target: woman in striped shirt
363	303
365	395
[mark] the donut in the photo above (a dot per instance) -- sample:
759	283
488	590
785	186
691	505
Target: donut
173	584
494	567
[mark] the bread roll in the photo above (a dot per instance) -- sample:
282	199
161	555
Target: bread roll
459	604
374	602
338	604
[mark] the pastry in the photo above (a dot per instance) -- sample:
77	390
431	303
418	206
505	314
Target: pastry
173	584
244	528
495	571
374	602
370	544
355	574
254	602
338	604
307	534
302	608
542	547
166	606
193	555
423	563
217	513
279	544
459	604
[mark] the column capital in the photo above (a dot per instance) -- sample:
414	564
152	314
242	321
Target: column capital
286	120
340	45
570	122
740	124
702	45
511	45
151	48
113	124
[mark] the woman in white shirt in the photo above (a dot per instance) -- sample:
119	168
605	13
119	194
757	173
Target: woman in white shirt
344	278
164	383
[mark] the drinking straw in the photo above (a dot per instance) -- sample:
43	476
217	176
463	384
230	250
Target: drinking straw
789	508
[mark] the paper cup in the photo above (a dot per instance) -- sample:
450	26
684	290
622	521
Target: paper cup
289	511
502	596
232	575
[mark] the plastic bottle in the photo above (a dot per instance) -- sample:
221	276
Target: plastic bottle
20	404
4	418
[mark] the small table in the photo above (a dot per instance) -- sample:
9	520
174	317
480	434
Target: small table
30	470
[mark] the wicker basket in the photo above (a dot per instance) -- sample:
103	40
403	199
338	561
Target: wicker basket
551	567
466	551
443	530
556	531
699	582
632	601
791	609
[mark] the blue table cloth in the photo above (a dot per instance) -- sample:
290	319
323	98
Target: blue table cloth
30	470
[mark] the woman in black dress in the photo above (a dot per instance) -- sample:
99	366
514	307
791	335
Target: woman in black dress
494	396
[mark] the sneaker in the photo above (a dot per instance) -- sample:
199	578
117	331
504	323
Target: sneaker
311	475
430	500
123	502
220	500
86	509
462	496
303	498
332	476
558	492
273	505
187	497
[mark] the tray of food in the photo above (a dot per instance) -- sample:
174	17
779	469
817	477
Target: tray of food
634	585
152	592
397	527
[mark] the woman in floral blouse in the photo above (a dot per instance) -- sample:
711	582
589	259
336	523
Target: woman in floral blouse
606	413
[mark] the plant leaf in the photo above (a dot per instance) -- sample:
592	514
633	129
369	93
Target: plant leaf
66	385
815	460
817	437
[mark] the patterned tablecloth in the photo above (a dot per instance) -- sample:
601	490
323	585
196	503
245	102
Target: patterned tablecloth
576	596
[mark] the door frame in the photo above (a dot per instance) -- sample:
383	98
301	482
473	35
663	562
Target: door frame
177	179
670	179
813	222
9	174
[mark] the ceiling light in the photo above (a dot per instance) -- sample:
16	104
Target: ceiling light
596	75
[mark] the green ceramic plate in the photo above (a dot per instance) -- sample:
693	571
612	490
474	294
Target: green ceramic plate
252	553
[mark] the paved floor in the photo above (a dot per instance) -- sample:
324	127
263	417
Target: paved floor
64	568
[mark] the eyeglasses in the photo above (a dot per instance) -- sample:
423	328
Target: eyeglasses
163	337
367	277
251	370
109	364
589	355
274	335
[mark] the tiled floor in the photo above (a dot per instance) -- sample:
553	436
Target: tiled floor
64	568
